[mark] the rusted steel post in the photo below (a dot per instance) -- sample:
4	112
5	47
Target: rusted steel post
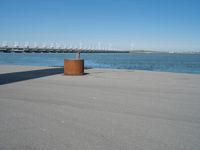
74	66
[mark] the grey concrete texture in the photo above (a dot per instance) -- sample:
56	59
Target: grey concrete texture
106	109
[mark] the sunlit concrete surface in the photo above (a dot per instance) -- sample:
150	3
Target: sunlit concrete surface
106	109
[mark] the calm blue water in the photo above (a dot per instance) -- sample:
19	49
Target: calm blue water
182	63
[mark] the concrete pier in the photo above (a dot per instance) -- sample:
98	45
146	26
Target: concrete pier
107	109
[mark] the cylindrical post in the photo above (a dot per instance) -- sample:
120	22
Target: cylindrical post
73	66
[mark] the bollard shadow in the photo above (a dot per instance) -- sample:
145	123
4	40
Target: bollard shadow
86	73
7	78
87	68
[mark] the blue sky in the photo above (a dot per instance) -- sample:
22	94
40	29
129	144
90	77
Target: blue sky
148	24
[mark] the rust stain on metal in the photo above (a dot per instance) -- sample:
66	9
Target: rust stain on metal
73	66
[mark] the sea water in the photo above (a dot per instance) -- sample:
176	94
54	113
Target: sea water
166	62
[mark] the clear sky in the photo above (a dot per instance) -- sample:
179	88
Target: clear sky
148	24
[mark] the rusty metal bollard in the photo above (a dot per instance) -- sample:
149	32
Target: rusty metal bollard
73	67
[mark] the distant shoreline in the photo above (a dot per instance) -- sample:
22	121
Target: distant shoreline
106	52
164	52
